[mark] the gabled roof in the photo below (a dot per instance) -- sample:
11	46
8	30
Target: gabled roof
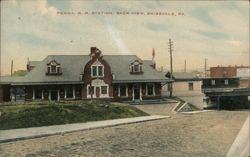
184	76
72	67
120	67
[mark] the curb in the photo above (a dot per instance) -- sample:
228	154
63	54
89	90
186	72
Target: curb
191	112
173	110
80	129
195	112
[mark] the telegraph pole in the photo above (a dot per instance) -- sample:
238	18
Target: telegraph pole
185	66
205	72
11	70
170	44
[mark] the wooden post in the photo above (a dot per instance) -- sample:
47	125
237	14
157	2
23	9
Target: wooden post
58	95
42	95
33	93
65	93
49	94
218	102
11	70
74	93
185	66
205	68
171	67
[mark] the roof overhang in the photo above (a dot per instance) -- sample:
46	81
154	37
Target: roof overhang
141	81
45	83
188	79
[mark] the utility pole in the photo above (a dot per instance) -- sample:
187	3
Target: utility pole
205	72
171	67
11	70
185	66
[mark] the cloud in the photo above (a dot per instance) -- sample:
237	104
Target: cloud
43	8
116	37
155	26
212	34
212	30
203	15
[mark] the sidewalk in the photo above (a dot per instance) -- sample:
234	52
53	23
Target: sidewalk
28	133
241	144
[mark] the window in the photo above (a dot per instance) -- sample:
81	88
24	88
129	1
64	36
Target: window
104	89
150	89
136	68
97	71
226	82
94	70
122	90
190	86
69	92
20	93
100	72
91	90
53	68
213	82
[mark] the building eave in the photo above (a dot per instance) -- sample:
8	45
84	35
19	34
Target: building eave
46	83
140	81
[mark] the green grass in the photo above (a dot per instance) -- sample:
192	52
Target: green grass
37	114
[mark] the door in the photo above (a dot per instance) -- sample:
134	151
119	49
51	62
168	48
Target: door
97	92
136	92
53	95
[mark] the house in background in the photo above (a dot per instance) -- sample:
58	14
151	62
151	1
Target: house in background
93	76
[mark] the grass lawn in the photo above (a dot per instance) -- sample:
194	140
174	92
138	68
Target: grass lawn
36	114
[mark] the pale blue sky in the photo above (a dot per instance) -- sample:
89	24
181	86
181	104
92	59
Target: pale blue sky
218	31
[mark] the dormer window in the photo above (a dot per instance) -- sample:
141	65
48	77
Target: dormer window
136	67
53	68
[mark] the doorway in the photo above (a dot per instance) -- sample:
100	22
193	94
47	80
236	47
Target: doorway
136	91
53	95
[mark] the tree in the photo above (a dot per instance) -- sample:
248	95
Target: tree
20	73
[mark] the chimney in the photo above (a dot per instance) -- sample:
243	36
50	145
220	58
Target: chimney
94	51
153	59
153	65
28	64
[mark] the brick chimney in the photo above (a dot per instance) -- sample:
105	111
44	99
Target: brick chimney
153	65
95	52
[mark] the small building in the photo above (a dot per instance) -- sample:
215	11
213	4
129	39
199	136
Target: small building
243	72
185	84
78	77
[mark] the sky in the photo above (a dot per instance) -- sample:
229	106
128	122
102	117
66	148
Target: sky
216	30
